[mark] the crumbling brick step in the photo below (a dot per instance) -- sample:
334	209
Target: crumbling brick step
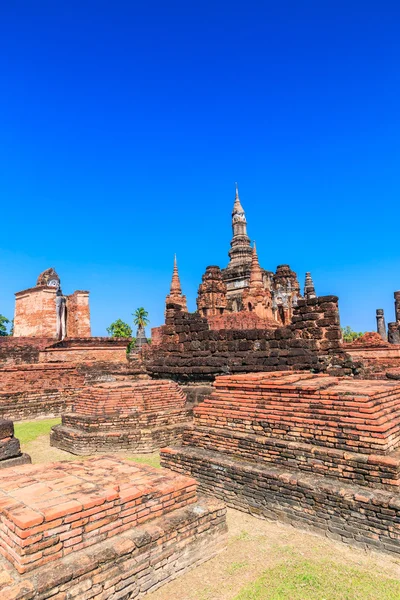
10	449
348	513
131	564
82	442
375	470
359	416
49	511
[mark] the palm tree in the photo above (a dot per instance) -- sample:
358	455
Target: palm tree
140	318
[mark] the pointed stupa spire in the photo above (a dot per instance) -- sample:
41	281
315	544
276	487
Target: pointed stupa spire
240	252
237	207
175	282
175	296
309	289
256	276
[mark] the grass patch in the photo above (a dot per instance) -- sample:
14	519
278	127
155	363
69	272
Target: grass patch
27	432
236	566
153	460
319	580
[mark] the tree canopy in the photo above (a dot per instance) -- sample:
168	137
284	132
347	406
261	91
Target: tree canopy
349	335
140	317
119	329
3	325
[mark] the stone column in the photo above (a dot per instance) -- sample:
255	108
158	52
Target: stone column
397	306
380	324
393	333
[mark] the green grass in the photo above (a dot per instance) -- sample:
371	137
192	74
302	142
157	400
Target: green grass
319	580
27	432
236	566
152	459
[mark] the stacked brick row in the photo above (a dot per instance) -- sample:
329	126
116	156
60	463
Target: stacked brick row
10	449
138	416
189	350
314	449
103	528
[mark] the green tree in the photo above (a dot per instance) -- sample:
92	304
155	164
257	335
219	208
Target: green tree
119	329
3	325
140	317
349	335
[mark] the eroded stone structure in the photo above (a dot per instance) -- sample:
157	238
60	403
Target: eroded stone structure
138	416
248	286
44	312
40	377
10	449
393	333
316	451
189	349
102	528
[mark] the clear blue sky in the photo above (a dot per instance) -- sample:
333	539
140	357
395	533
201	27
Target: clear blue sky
125	124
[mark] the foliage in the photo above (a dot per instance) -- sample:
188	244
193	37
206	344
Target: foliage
29	431
349	335
140	317
130	345
298	579
119	329
3	325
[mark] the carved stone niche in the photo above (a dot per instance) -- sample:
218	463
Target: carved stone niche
211	299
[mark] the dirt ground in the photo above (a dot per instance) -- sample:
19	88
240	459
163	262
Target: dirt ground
255	545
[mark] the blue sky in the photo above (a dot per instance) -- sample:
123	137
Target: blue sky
124	126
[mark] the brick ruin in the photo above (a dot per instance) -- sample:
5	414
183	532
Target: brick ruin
10	449
247	392
41	377
102	528
248	286
392	333
189	349
316	451
140	416
43	311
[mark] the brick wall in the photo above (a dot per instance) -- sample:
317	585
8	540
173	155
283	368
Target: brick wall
35	313
101	528
78	315
129	565
139	416
21	349
240	320
313	450
191	351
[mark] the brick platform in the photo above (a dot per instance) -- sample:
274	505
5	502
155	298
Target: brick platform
50	514
10	450
310	449
139	416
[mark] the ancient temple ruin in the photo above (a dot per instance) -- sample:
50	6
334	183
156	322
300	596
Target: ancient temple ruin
316	451
392	333
45	312
250	287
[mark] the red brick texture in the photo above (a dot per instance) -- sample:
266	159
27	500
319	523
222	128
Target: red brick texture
141	416
103	528
49	511
189	349
128	565
10	450
30	387
240	321
313	449
361	415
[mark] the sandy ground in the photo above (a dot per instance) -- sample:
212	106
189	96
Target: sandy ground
255	545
